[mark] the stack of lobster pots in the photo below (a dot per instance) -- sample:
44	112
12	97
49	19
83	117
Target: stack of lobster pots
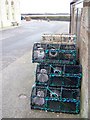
58	74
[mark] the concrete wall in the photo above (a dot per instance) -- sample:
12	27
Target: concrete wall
84	56
4	9
83	28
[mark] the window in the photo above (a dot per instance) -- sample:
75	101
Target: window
7	9
6	2
13	10
12	3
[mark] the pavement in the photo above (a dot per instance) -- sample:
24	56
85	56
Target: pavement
8	27
17	82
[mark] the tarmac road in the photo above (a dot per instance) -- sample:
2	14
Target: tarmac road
18	74
16	42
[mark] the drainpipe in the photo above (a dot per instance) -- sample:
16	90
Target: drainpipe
74	2
70	16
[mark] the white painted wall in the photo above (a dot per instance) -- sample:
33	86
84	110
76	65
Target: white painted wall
4	22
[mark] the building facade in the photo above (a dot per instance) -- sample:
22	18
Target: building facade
9	13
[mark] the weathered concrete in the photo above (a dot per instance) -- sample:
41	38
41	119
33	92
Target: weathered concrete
84	45
84	41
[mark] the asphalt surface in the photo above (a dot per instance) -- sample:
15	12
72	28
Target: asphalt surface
16	42
18	72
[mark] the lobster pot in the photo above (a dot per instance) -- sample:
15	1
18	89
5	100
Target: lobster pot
57	69
73	94
60	52
68	39
38	97
70	106
66	70
42	79
54	93
63	93
57	46
51	38
39	45
60	56
42	74
43	68
60	46
68	47
60	38
55	57
47	37
53	105
73	70
65	106
38	53
50	68
55	99
54	53
70	82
